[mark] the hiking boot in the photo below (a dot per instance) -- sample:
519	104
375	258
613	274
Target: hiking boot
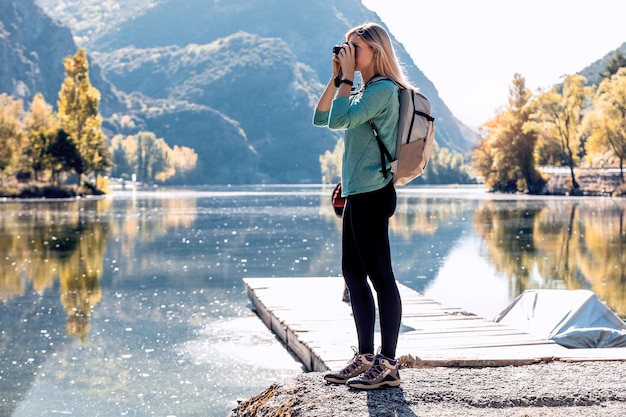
356	366
383	373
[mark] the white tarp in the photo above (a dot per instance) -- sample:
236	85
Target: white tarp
572	318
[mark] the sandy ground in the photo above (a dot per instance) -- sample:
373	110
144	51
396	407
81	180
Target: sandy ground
553	389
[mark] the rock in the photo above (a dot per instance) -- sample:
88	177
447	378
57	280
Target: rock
592	182
554	389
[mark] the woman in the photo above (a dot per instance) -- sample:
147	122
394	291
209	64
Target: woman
370	196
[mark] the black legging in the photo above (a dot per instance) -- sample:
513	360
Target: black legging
365	252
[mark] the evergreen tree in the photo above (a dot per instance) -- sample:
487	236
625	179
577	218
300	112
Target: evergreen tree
617	61
64	156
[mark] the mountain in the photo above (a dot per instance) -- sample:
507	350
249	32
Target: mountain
32	48
236	80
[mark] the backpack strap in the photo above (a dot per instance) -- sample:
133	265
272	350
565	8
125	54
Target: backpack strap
384	152
425	115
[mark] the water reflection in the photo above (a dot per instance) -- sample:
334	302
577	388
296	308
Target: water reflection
132	304
569	244
45	243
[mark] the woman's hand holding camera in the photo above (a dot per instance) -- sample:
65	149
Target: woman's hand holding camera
345	55
343	75
343	66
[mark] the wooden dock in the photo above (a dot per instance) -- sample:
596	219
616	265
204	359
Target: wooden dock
309	317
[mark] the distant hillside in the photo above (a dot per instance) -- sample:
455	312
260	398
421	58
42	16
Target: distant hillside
593	71
32	48
254	65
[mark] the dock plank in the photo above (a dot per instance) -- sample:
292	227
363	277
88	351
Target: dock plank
309	317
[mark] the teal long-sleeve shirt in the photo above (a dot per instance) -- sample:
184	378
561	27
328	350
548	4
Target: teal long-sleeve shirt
361	169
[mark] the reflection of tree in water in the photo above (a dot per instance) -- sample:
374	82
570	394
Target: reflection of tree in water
418	215
508	232
556	234
80	274
603	252
65	240
570	244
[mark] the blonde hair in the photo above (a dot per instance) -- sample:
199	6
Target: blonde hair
385	59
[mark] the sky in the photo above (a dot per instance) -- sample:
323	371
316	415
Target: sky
471	49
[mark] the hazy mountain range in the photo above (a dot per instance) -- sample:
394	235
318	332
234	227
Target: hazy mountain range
236	80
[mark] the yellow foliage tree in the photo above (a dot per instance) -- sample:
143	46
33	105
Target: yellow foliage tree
151	158
606	123
330	164
79	115
505	155
11	132
41	125
557	120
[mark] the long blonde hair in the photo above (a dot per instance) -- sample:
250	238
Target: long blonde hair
385	59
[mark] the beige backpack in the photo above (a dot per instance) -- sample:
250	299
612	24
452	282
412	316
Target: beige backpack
416	136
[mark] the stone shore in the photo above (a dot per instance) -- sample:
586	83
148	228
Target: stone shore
555	389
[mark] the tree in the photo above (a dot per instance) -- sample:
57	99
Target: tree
78	112
121	163
41	125
144	155
330	164
557	120
64	155
505	156
182	160
446	167
617	61
606	123
150	158
11	132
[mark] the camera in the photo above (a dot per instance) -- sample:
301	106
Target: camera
337	48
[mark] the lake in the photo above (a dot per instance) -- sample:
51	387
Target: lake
133	304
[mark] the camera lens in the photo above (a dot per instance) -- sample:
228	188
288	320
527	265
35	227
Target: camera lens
336	49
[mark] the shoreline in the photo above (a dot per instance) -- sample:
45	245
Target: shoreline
556	389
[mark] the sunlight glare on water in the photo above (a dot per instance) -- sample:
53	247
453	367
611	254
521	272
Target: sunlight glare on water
134	305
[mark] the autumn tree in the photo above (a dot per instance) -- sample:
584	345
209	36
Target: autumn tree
330	164
41	126
182	160
557	120
505	155
11	132
150	158
79	116
606	122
